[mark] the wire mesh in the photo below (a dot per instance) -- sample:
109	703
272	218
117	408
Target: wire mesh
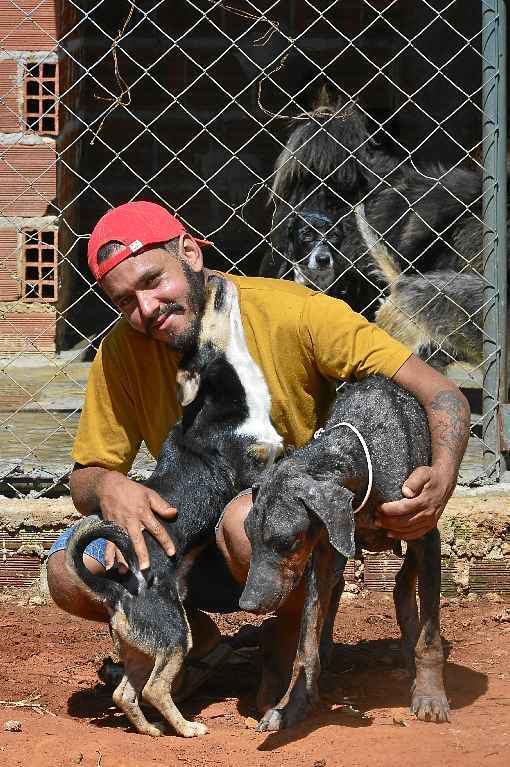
200	106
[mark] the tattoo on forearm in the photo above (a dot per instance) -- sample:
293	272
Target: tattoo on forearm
451	422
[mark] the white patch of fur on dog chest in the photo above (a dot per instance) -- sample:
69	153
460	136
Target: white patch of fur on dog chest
258	424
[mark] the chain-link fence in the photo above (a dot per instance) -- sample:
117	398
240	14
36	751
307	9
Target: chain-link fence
358	146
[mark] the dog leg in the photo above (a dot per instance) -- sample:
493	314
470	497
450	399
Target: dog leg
126	695
158	689
326	645
429	700
303	692
406	608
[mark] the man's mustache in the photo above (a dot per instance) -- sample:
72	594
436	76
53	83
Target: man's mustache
164	312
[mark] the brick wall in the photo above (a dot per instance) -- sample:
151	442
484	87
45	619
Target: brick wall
28	25
10	117
28	170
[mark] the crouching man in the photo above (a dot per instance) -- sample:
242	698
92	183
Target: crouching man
304	343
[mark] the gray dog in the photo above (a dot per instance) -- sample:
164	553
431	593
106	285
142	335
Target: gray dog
302	522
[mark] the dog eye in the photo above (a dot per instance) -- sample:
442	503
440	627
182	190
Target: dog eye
296	544
288	546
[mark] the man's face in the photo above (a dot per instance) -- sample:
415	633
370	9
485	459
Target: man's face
160	294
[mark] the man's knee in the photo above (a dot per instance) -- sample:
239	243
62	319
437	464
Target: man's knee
232	540
69	593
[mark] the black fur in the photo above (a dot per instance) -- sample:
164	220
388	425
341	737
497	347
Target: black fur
424	220
202	465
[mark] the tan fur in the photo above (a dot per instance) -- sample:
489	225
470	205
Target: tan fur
400	326
215	325
149	675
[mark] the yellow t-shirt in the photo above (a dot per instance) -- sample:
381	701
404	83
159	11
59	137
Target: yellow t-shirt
303	342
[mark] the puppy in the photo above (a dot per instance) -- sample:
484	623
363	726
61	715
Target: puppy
302	524
324	169
313	256
219	448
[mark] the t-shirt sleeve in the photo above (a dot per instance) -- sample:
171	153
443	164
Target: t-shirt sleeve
344	344
108	433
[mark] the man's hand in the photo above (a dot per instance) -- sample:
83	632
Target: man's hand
428	489
134	508
426	493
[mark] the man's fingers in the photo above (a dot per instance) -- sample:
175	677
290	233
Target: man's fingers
160	506
415	483
122	565
403	507
412	521
109	555
140	547
411	535
157	530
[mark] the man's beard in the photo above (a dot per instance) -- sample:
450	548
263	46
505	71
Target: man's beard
186	341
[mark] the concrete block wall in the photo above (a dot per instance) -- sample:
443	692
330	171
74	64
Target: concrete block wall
475	531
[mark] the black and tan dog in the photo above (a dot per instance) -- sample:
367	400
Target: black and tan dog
302	524
218	449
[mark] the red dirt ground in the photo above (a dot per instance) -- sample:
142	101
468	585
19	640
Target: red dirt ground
363	721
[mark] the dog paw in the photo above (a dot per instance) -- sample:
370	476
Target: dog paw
156	729
272	721
193	729
428	708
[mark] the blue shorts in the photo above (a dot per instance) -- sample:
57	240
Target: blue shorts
96	549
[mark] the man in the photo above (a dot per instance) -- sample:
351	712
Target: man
152	270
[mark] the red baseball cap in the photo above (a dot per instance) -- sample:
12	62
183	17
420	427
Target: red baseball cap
136	225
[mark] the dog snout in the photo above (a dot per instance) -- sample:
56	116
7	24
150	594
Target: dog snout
264	591
324	258
320	257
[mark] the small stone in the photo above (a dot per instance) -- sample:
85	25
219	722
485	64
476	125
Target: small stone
444	602
319	763
401	717
491	596
250	723
347	595
36	601
12	725
78	759
472	597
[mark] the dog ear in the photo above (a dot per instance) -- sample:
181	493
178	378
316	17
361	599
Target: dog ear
188	385
332	505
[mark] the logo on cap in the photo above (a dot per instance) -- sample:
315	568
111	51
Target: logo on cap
135	245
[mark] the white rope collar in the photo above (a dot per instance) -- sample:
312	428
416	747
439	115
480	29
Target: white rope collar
321	431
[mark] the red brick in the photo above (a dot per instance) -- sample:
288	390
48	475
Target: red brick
27	332
28	179
10	117
9	278
27	25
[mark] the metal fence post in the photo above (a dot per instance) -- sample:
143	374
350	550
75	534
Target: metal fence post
494	213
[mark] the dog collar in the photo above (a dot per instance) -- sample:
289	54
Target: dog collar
321	431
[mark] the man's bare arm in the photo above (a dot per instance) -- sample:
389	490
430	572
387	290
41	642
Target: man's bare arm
129	504
429	488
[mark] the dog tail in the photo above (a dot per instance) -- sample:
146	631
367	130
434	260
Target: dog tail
90	529
384	264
